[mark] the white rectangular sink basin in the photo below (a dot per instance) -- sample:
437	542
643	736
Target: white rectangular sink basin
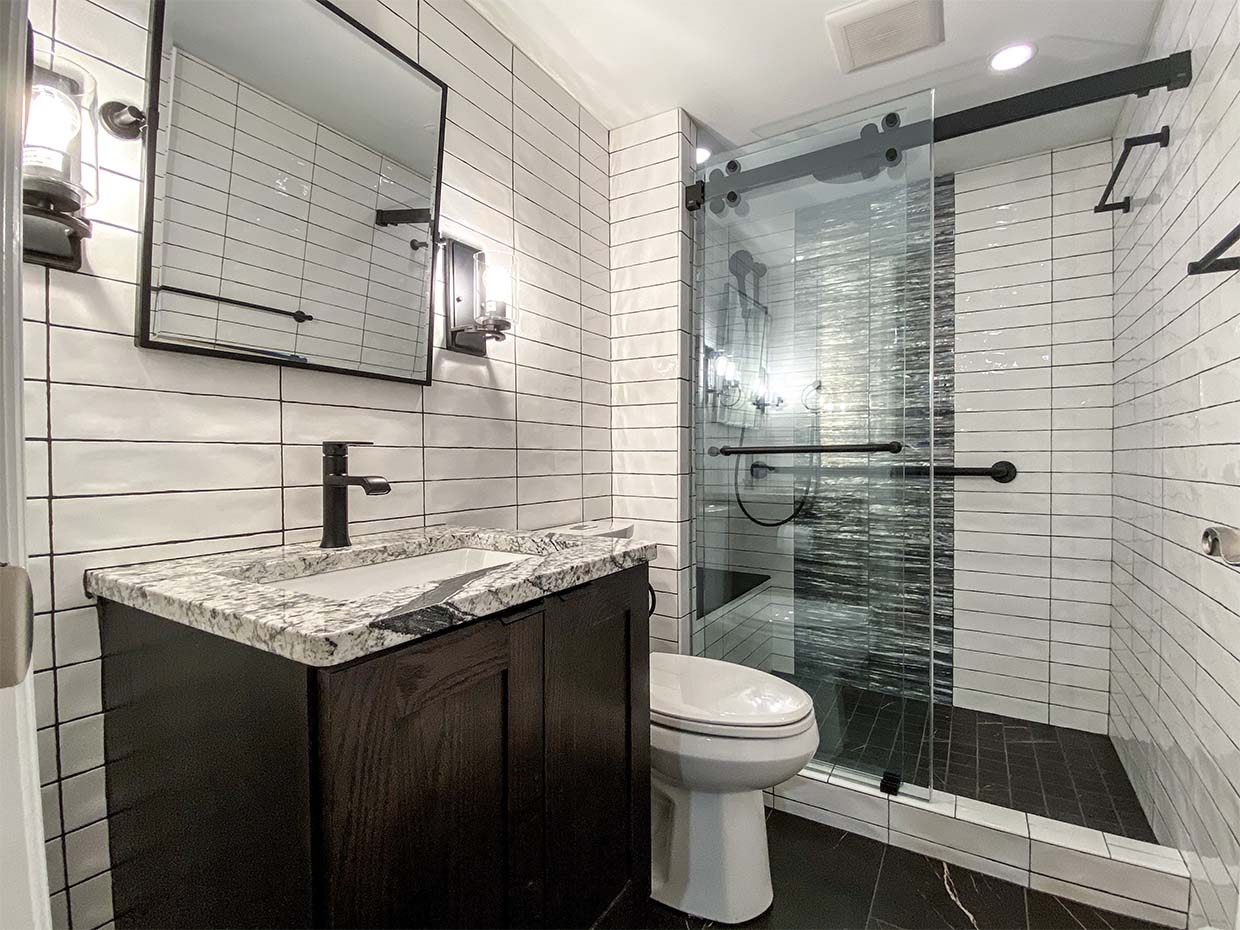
347	584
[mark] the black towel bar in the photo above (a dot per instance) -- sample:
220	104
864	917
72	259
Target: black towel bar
1211	262
299	315
1162	137
892	447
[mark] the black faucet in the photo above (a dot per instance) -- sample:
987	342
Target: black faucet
336	482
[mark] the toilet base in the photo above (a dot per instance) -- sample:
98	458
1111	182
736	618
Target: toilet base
709	853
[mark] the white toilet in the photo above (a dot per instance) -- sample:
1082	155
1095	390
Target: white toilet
719	734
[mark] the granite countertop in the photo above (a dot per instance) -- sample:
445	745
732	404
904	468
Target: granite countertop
232	595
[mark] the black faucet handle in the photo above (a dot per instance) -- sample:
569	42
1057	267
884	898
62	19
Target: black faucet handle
341	447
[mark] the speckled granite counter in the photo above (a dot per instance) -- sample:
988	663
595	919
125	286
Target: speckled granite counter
232	595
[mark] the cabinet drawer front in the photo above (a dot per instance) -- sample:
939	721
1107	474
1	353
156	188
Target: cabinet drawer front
431	774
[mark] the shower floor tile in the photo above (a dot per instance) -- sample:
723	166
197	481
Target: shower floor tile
1037	768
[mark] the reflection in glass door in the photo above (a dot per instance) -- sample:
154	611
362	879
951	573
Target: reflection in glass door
813	396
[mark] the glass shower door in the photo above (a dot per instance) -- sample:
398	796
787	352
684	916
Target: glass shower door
813	426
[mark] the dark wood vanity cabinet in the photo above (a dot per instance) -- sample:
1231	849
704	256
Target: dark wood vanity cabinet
493	775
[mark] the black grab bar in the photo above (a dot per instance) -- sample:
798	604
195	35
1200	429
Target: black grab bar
892	447
1002	471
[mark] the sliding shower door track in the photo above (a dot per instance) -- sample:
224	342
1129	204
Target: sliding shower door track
877	146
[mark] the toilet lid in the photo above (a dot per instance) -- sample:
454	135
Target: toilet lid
698	690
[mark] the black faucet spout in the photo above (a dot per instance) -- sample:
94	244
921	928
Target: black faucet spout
336	484
374	484
370	484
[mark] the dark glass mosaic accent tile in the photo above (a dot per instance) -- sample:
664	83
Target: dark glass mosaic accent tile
863	574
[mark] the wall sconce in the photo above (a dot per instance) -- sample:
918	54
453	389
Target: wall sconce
480	291
60	158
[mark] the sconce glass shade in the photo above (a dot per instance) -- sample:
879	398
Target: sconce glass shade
496	282
60	149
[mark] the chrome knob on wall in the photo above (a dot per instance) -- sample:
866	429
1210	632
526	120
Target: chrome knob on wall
1222	542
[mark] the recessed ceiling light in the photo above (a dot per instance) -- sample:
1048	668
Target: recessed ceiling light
1013	56
702	154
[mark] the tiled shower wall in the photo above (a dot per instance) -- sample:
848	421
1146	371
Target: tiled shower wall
136	455
862	561
1175	621
1033	386
651	370
752	341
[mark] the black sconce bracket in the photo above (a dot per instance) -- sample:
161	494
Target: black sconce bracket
402	217
53	238
123	120
460	298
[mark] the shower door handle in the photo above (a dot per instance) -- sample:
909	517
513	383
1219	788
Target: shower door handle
892	447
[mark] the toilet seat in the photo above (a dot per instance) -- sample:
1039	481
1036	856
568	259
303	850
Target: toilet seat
693	694
734	732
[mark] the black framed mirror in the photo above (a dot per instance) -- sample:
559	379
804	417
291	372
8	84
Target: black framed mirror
293	172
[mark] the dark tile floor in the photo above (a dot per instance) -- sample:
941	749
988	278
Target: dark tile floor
1056	772
826	878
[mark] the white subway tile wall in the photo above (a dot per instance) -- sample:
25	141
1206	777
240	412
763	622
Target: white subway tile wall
651	374
1175	643
1033	386
135	455
742	631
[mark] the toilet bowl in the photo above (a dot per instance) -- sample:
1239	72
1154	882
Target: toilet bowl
720	733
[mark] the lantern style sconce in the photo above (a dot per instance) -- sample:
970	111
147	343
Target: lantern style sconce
480	293
60	158
60	162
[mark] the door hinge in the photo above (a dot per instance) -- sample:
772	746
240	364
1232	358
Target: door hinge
695	195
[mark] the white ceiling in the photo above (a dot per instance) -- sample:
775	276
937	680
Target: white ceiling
748	69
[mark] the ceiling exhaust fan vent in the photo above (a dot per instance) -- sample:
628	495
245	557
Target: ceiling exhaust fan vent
874	31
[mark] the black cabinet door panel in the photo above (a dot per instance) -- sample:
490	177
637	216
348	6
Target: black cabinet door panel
597	725
431	782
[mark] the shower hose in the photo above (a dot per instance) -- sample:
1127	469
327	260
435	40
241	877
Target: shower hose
736	487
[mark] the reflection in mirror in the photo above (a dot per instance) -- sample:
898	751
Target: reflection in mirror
295	199
737	373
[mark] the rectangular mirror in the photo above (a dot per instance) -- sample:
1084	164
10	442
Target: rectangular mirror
295	202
